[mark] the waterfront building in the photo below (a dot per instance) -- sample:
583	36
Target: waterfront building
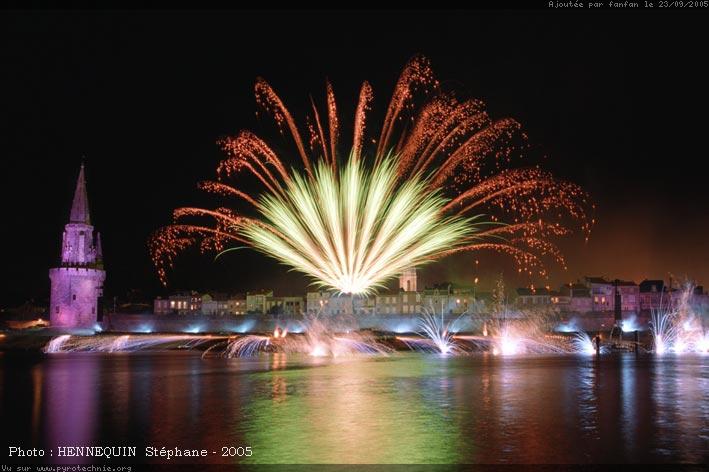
407	280
181	303
215	305
315	301
534	297
629	296
284	305
339	304
406	300
161	306
192	303
77	284
237	305
601	293
655	295
256	301
561	299
330	303
597	295
580	300
651	294
570	298
397	302
448	298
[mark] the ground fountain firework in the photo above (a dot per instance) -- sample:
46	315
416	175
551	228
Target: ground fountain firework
435	334
514	332
677	327
317	338
583	344
503	334
351	222
506	333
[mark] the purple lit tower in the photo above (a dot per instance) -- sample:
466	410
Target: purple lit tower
78	283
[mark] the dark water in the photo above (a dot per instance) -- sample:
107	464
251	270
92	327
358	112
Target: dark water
408	408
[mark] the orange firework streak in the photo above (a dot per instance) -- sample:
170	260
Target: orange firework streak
451	145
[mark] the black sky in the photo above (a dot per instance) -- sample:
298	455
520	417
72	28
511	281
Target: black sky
618	102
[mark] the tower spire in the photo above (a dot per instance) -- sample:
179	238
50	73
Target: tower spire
77	284
80	205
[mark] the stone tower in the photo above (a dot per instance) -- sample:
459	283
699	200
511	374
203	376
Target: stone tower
407	280
78	283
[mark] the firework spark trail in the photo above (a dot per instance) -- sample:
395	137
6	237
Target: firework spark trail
677	327
246	346
363	106
434	328
583	344
352	223
271	102
319	340
122	343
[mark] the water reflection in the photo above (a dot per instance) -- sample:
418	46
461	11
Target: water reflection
680	395
407	408
37	374
70	396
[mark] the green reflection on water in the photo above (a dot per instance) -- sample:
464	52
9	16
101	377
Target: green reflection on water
392	410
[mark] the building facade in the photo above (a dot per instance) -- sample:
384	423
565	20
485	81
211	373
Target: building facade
448	298
77	284
537	297
570	298
192	303
629	296
289	306
330	303
183	303
601	293
596	294
407	280
256	301
237	305
214	305
651	294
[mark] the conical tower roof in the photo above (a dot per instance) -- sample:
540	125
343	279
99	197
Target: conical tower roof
80	205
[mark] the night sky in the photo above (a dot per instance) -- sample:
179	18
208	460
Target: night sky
617	103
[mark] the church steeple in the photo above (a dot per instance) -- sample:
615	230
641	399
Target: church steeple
80	205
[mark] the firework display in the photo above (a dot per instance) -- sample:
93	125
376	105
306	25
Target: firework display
440	177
